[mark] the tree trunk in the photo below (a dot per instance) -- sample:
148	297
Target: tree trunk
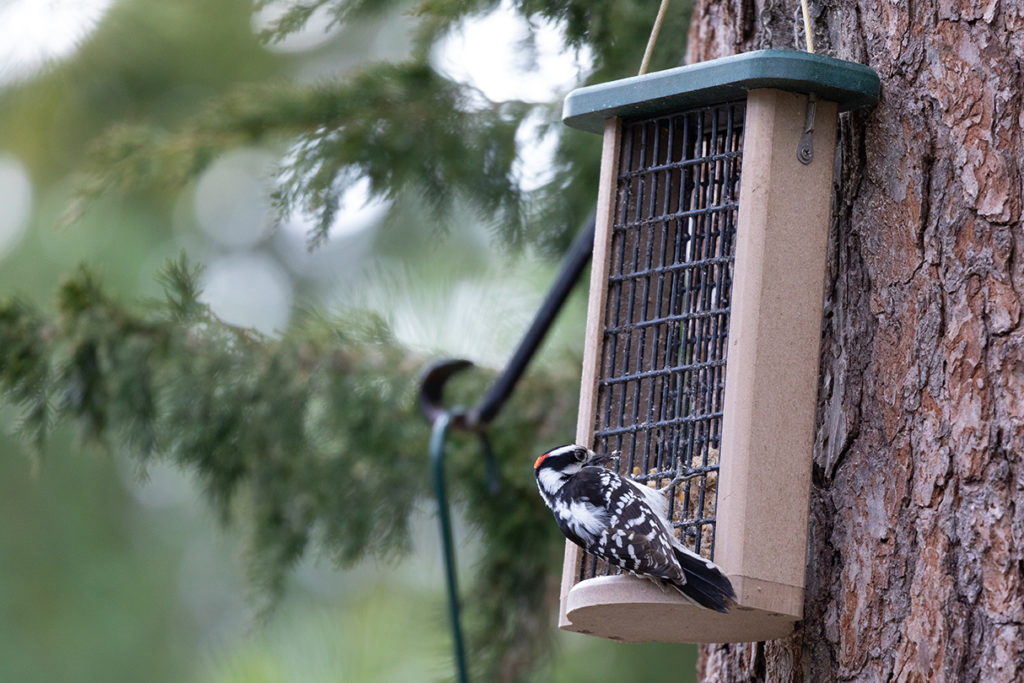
914	565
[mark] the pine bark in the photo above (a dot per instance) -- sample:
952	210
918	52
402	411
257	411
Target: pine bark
915	564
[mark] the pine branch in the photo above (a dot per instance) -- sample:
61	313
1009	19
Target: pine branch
313	436
403	127
298	14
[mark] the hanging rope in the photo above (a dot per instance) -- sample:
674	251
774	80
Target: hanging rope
655	30
660	19
808	31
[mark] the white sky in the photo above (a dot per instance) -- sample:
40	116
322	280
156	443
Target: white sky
34	33
488	53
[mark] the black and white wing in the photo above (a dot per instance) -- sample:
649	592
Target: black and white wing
621	522
619	525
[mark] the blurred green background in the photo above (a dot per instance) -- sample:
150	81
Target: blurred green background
109	573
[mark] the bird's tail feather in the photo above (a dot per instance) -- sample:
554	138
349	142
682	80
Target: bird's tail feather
705	583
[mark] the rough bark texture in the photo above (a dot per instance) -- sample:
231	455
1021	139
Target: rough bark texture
915	568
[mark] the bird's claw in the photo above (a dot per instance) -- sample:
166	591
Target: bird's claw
678	479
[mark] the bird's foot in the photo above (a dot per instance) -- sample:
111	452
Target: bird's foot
678	479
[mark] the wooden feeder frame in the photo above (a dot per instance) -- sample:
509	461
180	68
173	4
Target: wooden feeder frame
774	327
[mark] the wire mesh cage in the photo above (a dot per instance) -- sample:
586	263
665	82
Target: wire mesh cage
659	401
703	326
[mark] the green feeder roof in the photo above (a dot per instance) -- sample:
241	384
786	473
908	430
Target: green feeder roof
850	85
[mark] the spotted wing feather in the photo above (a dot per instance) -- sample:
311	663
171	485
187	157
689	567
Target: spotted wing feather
613	518
631	535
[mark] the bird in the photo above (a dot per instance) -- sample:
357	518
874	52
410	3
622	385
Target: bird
626	524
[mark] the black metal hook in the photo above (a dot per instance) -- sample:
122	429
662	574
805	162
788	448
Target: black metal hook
431	403
432	382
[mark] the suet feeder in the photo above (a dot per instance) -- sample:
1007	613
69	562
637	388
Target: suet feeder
704	325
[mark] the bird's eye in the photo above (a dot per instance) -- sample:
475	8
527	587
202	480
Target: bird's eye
581	454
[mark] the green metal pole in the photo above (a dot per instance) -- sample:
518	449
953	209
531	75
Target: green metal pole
437	438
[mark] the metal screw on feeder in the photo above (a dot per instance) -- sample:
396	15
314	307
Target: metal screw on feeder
704	324
805	151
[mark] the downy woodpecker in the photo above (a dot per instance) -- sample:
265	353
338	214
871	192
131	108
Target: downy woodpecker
625	523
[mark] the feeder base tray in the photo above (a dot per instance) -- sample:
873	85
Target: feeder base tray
635	610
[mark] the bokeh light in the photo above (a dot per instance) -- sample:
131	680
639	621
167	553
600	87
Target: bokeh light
231	198
15	203
536	142
249	290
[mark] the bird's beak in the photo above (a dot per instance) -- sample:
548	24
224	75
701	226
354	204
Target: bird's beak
602	458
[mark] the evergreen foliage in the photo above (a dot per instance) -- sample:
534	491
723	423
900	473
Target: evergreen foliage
383	125
314	438
403	126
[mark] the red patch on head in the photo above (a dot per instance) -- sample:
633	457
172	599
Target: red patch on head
540	460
